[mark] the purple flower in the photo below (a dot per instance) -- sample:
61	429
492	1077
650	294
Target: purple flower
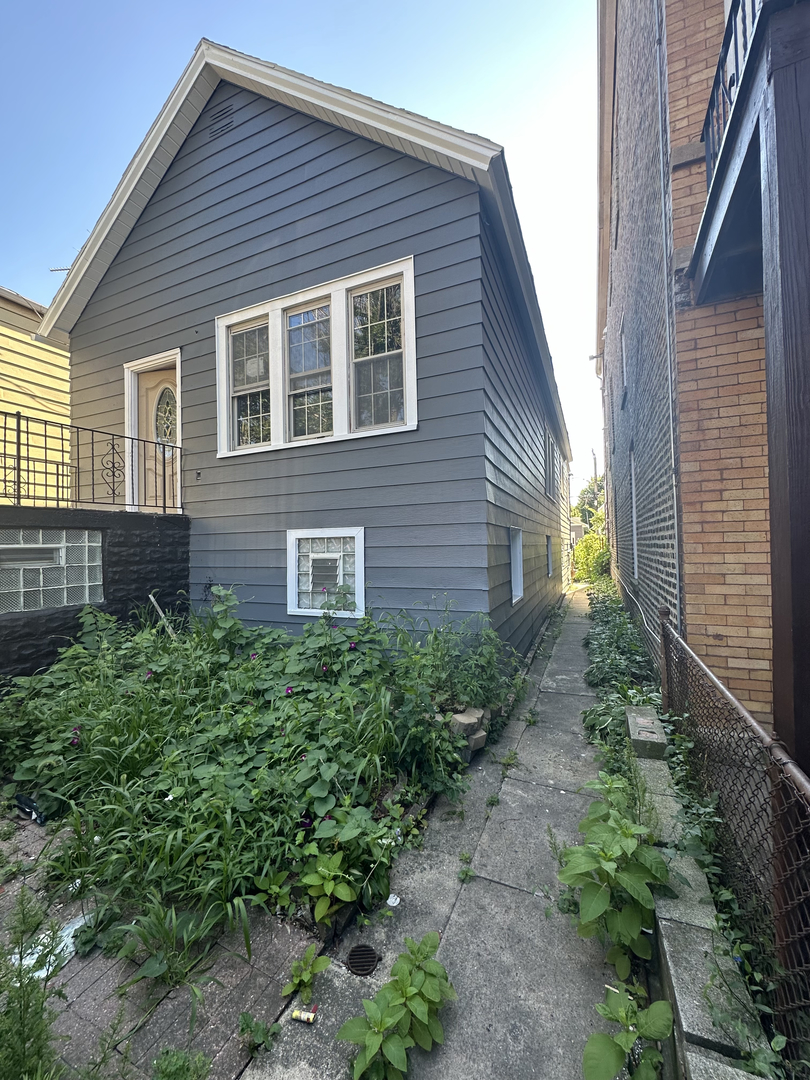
77	729
149	674
352	644
323	589
305	822
325	668
288	690
303	757
74	742
253	655
334	626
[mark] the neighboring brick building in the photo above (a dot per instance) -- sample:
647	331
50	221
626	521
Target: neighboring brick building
682	332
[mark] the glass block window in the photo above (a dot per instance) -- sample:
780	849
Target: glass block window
250	375
325	571
49	568
379	397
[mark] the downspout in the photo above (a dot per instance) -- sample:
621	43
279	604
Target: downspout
667	296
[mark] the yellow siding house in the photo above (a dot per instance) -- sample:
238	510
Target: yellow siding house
34	381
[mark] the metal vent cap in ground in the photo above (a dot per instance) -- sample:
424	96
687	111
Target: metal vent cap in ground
362	960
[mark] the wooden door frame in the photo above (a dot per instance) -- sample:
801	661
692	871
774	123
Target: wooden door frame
131	372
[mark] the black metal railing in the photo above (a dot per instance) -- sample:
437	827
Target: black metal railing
740	26
44	463
763	829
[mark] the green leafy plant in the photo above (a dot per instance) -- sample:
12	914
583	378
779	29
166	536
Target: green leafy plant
328	885
605	1055
256	1034
403	1013
27	970
493	800
613	871
303	974
175	944
180	1065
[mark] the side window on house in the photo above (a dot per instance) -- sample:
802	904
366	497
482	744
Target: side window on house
249	380
549	557
551	466
325	571
623	347
333	362
516	563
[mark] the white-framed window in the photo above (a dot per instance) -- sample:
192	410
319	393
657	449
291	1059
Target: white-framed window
551	466
623	344
326	571
549	557
516	563
336	361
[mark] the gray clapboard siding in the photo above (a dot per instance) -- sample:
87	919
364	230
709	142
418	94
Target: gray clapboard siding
514	447
279	203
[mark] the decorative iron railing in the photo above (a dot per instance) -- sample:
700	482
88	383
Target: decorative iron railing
740	26
763	829
43	463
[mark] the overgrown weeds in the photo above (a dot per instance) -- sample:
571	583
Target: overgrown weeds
226	766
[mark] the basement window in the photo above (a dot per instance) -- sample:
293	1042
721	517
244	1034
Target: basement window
49	568
325	572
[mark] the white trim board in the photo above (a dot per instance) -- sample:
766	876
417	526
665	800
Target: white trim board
471	156
131	372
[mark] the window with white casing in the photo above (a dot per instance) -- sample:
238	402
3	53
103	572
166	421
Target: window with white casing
325	572
49	568
336	361
551	466
516	563
549	557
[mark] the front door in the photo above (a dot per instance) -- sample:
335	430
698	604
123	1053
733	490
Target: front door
157	460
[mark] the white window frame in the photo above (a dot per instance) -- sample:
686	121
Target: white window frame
293	536
516	563
623	344
551	466
336	294
131	372
549	556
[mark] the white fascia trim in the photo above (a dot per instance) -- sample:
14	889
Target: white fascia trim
126	186
261	77
293	535
472	150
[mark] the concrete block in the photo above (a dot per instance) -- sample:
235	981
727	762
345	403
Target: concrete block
698	1066
460	725
693	904
657	777
686	953
467	722
646	732
486	719
477	741
665	809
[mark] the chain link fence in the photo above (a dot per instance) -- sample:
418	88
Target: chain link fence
764	834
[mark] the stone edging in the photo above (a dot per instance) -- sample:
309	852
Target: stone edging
686	926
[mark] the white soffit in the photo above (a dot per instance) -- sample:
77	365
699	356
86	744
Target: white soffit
470	156
445	147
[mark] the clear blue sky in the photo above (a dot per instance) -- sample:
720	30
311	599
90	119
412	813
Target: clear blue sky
82	82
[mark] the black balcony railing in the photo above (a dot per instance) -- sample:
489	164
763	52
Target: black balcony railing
742	20
43	463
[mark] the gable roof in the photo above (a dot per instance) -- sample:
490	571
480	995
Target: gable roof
470	156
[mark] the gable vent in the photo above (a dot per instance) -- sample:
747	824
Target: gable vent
221	121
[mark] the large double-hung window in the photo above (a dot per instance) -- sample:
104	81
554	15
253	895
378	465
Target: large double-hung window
333	362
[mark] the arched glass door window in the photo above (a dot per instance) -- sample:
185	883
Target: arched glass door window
166	417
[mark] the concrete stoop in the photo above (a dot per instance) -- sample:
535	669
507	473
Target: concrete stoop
686	931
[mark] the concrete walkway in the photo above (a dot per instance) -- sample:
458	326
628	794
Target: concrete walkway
526	983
